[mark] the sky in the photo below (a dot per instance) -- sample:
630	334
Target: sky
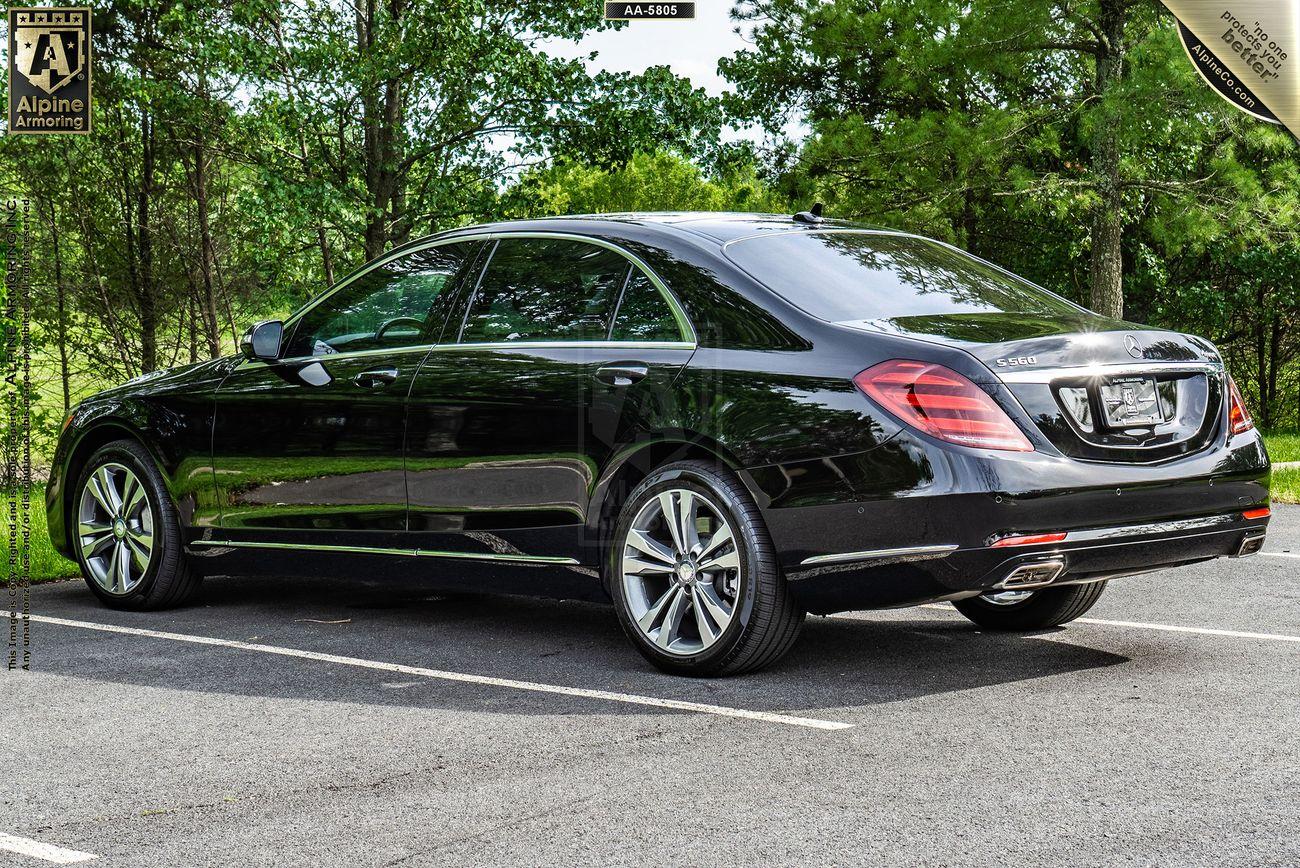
690	47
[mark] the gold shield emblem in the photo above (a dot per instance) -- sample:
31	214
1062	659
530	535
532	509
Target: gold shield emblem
50	49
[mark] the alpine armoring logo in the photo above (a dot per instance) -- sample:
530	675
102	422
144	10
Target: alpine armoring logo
49	70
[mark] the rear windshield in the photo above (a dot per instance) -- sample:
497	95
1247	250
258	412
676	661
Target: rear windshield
860	276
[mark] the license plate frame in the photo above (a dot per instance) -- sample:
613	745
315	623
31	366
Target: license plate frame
1130	402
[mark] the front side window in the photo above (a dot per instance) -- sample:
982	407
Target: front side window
545	289
869	277
392	305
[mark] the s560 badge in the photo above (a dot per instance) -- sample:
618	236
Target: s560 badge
1017	362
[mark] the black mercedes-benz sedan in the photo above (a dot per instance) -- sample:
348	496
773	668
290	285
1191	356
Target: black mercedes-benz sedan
719	421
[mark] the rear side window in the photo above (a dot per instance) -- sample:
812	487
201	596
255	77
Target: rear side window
545	289
859	276
643	314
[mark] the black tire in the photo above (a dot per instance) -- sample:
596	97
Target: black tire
1041	610
765	622
169	579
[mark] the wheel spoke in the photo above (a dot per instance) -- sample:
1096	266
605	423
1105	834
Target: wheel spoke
110	574
132	496
640	567
92	486
668	504
672	625
140	551
123	558
718	609
93	536
109	490
729	561
653	614
720	536
642	542
708	632
687	512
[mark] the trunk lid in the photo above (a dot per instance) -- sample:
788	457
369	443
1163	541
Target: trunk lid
1098	389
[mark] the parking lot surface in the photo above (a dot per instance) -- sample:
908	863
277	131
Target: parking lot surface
308	722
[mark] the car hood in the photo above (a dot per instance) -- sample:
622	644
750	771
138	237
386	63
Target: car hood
172	379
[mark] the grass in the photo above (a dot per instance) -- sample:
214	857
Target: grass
1283	445
47	564
1286	485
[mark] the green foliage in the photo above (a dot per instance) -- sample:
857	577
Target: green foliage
648	182
1021	131
46	563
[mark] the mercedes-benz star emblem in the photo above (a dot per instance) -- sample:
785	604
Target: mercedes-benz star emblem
1134	348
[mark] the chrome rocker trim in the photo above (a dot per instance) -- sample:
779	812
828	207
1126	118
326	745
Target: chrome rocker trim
371	550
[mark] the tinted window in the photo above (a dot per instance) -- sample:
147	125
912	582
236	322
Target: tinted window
388	306
643	314
848	277
544	289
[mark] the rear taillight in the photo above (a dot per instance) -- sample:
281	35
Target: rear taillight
942	403
1238	415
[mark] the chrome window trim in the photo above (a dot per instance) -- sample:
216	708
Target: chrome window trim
502	345
1048	375
684	325
566	345
378	550
911	553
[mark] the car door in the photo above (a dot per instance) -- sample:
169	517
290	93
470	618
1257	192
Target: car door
512	419
308	448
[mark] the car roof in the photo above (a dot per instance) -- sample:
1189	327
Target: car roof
717	226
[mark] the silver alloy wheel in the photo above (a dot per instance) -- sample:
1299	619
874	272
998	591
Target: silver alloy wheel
115	528
1006	598
681	571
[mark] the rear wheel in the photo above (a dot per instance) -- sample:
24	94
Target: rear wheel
1030	610
127	535
695	577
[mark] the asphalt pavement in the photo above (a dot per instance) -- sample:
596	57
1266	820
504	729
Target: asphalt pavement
369	722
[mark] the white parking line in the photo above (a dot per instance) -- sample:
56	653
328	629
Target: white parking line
535	687
1168	628
39	850
1282	554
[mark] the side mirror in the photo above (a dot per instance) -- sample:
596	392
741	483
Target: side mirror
262	340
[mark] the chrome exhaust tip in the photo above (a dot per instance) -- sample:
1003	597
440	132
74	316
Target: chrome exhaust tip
1035	575
1251	543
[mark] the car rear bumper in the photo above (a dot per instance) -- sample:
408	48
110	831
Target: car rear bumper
914	575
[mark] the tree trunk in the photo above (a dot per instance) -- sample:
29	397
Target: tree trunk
207	251
1107	265
145	290
382	117
61	311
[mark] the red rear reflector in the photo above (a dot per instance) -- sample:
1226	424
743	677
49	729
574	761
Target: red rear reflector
942	403
1029	540
1238	415
1262	512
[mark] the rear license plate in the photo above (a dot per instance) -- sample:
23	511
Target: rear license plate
1131	401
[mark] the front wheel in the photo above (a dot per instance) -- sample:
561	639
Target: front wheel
695	577
1030	610
127	535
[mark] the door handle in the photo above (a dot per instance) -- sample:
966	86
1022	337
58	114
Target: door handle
622	373
376	379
